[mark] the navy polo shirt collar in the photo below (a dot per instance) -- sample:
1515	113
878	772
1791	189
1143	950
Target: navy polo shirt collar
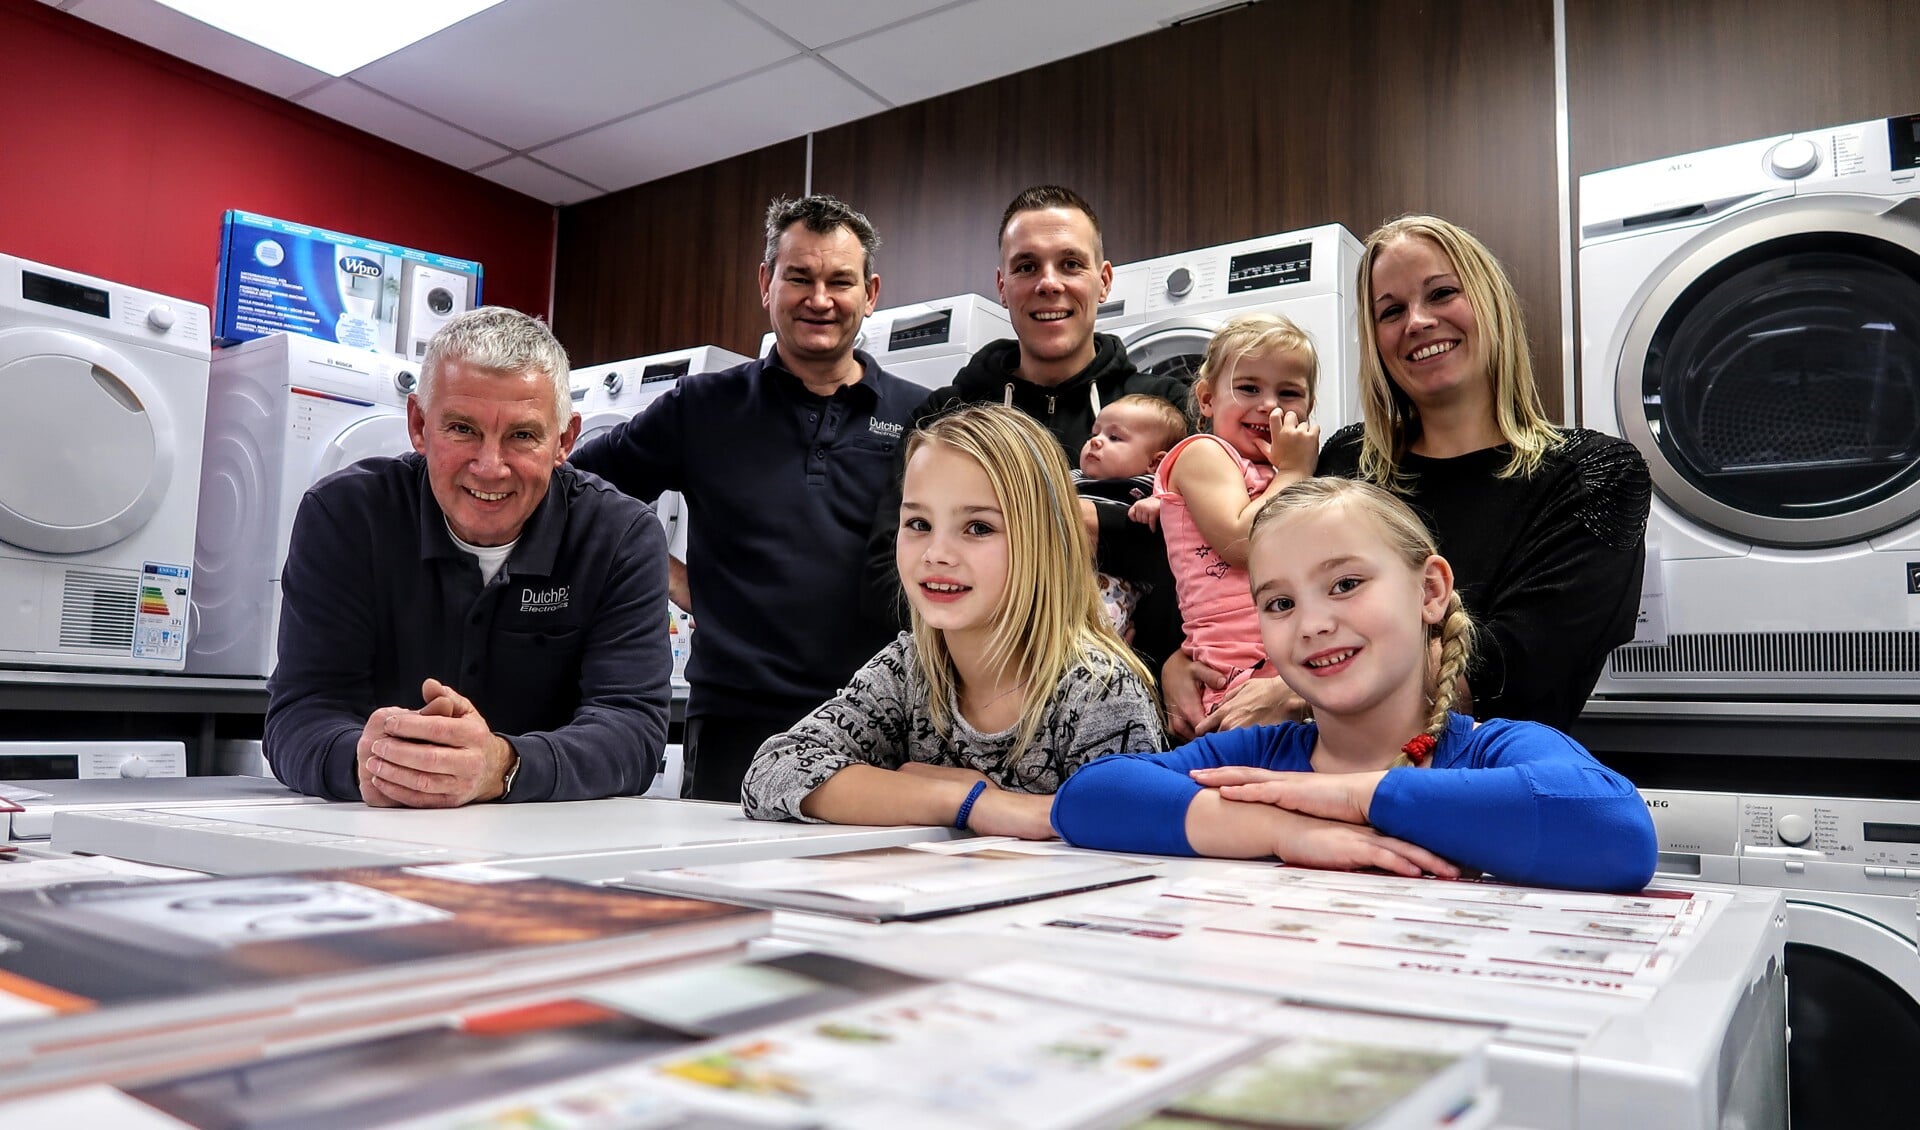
539	542
868	387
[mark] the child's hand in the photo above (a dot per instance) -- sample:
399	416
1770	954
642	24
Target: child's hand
1345	797
1295	444
1146	512
1334	846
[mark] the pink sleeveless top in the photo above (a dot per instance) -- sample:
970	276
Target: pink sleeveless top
1216	606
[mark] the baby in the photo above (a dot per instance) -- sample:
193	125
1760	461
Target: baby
1130	436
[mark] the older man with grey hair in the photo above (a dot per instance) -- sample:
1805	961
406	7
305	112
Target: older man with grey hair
781	462
477	620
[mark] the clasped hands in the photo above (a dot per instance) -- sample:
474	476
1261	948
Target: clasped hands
1328	826
442	755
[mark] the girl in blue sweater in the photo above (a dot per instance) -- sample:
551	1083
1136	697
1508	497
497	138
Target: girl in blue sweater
1359	615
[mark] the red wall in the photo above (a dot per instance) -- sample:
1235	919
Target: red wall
118	161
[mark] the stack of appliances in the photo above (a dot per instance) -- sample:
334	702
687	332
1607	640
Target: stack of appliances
284	412
1166	309
607	395
99	469
1750	320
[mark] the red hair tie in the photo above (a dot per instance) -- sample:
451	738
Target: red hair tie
1419	748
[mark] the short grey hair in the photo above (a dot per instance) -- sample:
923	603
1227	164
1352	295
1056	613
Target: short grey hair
505	341
821	214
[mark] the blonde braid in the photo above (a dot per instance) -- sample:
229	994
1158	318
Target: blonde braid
1455	633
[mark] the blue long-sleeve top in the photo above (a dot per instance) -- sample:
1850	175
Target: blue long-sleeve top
1514	799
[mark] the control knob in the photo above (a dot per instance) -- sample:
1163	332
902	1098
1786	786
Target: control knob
612	382
1794	158
1793	829
404	381
161	317
135	766
1179	282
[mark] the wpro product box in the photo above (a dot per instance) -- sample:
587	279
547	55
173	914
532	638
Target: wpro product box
282	277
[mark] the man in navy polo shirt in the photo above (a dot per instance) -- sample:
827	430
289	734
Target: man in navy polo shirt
780	462
475	621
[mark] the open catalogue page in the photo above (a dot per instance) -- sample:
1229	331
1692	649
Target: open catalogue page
916	881
95	978
815	1040
1620	945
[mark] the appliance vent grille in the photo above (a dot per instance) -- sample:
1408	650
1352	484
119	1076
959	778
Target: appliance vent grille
97	610
1774	653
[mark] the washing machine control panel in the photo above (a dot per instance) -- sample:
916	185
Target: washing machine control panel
1798	843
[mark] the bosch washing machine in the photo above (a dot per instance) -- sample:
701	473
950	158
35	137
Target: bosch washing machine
99	469
1750	320
606	396
285	411
1166	309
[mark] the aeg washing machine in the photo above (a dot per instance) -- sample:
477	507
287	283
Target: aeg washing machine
429	299
606	396
1849	870
1166	309
1750	319
285	411
99	469
928	343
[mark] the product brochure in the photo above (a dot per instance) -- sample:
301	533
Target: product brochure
94	979
916	881
1622	945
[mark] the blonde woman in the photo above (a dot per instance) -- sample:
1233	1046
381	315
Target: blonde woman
1360	616
1545	526
1011	678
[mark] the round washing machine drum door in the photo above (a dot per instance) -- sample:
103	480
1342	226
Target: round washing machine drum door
86	450
1171	349
1772	373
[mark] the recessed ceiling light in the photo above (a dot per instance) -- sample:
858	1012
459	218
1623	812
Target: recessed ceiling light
335	36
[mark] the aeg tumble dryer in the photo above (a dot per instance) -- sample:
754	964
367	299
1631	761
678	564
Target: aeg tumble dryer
285	412
1750	320
1167	309
99	469
607	395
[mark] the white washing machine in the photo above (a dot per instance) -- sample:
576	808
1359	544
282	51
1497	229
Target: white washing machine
284	411
928	343
1750	319
606	396
1849	870
99	469
429	299
1166	309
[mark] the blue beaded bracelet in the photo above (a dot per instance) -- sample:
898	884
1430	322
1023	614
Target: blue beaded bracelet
966	806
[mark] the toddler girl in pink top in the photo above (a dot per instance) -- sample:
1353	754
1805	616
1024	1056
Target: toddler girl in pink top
1255	393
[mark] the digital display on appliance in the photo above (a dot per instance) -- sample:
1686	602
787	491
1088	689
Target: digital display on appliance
1279	266
664	371
1109	309
66	295
927	329
1891	833
1903	141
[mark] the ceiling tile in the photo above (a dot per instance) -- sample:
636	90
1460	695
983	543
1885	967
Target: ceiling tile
528	71
986	39
184	37
820	22
783	102
538	181
403	125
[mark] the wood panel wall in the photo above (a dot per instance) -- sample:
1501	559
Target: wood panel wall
1258	121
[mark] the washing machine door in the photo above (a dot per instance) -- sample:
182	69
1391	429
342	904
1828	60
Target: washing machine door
595	424
86	443
1771	372
385	434
1173	348
1853	1008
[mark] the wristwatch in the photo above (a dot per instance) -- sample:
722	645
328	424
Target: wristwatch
513	770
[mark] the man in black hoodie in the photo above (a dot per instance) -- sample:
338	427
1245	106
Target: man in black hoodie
1052	278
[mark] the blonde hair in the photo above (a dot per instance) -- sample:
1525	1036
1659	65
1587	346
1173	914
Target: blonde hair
1254	335
1166	414
1403	532
1392	421
1050	618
